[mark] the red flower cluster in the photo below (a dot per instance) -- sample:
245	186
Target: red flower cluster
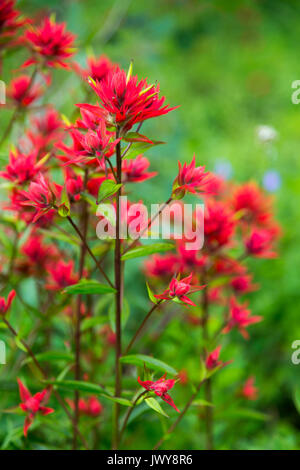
90	407
50	43
178	289
125	101
5	305
33	404
160	387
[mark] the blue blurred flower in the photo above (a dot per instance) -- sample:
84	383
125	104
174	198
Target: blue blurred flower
272	180
223	168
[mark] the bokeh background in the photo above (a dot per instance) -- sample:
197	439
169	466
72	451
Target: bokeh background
230	66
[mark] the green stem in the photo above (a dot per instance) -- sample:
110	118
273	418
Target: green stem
141	326
84	221
39	367
118	300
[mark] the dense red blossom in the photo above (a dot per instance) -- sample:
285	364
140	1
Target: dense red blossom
242	284
135	170
74	184
178	288
212	360
260	243
160	387
9	20
97	68
45	129
90	147
161	265
249	391
191	179
33	404
240	317
22	168
254	205
51	42
41	195
61	274
39	254
89	407
5	304
23	91
126	100
219	224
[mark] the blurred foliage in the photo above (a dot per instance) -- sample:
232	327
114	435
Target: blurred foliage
230	66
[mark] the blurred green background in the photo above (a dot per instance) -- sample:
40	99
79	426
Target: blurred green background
230	66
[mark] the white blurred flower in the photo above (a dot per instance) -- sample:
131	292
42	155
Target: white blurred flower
266	133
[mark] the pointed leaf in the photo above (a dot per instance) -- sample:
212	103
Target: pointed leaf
86	286
147	250
153	403
151	362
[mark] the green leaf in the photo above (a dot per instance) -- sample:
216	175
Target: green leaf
147	250
201	402
89	322
296	397
107	188
60	236
247	413
121	401
151	295
20	344
153	403
140	147
78	385
151	362
86	286
51	356
64	206
136	137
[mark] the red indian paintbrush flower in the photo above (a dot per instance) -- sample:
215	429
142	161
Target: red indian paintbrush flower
9	21
260	243
91	147
135	170
178	289
91	407
160	388
41	195
74	184
97	68
23	92
191	179
44	130
33	404
254	205
21	168
212	360
38	253
51	42
161	265
240	317
125	100
242	284
219	225
249	391
5	305
61	275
